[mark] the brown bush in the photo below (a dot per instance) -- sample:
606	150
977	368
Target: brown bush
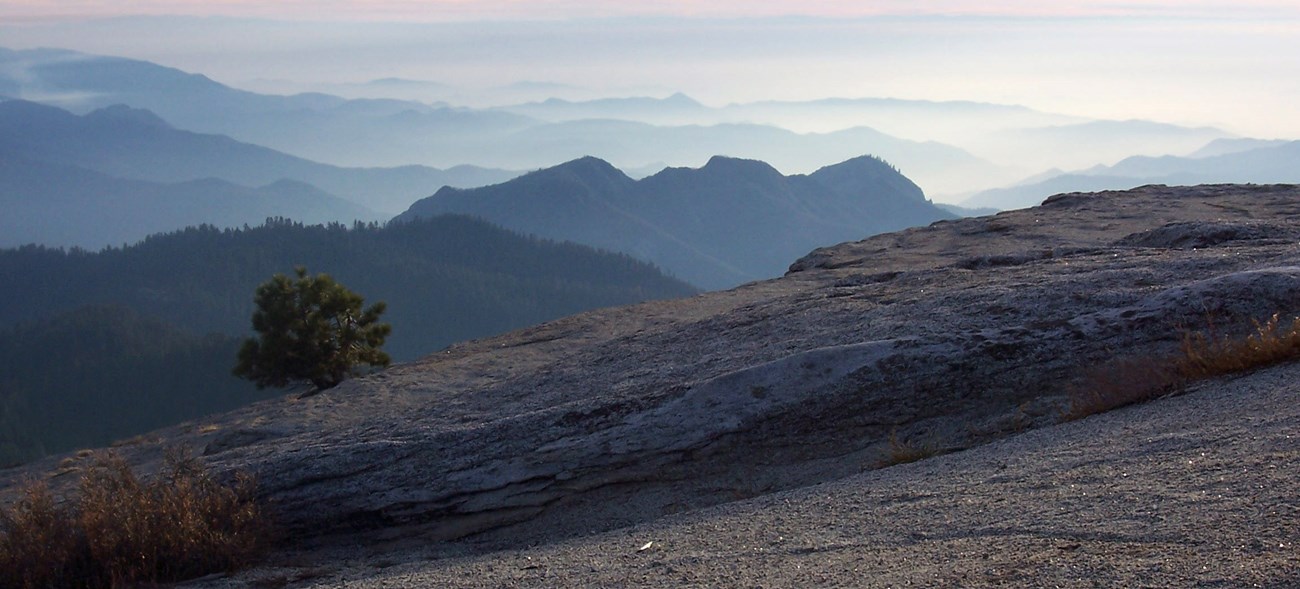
903	452
1202	355
1205	356
119	530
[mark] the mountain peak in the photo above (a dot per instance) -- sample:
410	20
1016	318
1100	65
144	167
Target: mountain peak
681	99
867	174
586	166
587	160
127	114
862	166
735	165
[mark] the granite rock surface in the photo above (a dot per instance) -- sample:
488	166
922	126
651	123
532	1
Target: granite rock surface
950	337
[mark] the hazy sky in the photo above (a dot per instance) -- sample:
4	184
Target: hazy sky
1232	64
565	9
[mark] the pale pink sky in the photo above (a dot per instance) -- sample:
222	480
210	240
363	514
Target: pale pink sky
436	10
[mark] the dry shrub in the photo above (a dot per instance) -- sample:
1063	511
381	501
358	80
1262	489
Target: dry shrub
121	531
1205	356
903	452
36	542
1124	382
1202	355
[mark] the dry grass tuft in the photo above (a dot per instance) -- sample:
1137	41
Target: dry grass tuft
120	531
903	452
1123	382
1202	355
1272	343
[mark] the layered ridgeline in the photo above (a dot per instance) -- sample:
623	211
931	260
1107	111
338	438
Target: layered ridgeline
1224	160
729	222
368	132
118	174
68	206
445	279
952	149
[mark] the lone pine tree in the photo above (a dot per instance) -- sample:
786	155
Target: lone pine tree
311	329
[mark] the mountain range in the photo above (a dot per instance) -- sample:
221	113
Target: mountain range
1240	161
314	122
133	143
950	122
1089	143
728	222
389	133
1016	139
62	205
953	149
118	174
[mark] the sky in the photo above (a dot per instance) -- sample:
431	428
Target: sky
1194	62
440	10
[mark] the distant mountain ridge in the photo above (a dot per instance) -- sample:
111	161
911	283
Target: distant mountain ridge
137	144
367	132
1222	161
728	222
1084	144
890	115
83	82
68	206
1020	141
952	148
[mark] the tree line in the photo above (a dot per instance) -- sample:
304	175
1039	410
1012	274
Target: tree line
153	328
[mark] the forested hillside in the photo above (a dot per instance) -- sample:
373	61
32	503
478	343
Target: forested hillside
145	335
102	373
445	279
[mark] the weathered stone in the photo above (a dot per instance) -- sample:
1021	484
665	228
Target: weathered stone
951	335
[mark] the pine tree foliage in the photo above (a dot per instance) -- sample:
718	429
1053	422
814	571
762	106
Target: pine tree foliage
311	329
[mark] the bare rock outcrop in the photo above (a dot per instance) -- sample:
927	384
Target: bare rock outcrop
950	335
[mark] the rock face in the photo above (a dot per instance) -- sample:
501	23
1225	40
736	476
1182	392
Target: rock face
950	336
